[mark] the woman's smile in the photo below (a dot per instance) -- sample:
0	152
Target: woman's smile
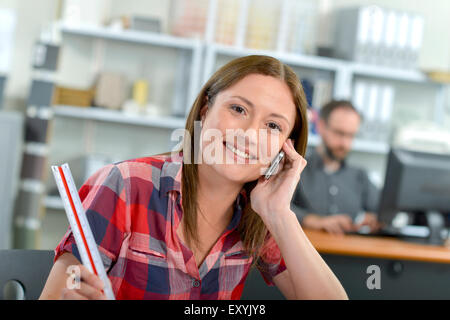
239	153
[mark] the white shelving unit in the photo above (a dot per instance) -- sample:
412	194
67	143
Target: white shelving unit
104	115
53	202
344	70
315	62
188	65
131	36
387	73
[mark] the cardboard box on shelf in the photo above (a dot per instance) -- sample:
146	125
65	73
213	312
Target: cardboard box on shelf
73	97
110	90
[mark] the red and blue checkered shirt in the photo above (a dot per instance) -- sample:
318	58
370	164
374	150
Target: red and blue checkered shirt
134	209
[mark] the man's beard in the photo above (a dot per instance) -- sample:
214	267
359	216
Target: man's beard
330	154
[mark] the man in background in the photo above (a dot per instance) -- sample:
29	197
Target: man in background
332	195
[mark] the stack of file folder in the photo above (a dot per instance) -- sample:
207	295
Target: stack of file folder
375	35
375	102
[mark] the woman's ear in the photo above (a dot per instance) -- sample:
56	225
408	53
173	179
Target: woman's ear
294	142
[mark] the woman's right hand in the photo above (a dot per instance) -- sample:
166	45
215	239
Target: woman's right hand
88	287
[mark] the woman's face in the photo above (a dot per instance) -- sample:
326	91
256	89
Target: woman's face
247	126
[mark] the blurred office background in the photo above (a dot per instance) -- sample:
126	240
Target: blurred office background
94	82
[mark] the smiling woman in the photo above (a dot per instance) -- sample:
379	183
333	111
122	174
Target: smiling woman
174	226
253	92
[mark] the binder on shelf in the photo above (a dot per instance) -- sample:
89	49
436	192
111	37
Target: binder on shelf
401	39
308	88
363	45
387	103
352	34
282	34
45	56
323	93
41	93
372	102
377	17
33	166
359	95
415	38
389	35
360	102
36	129
302	26
387	94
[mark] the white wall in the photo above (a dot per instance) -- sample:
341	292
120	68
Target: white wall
31	17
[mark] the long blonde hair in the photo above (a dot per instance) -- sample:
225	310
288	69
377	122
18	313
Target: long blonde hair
251	228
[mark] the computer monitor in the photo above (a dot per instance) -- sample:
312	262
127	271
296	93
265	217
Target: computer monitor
417	183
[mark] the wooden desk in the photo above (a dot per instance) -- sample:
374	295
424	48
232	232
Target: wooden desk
377	247
408	270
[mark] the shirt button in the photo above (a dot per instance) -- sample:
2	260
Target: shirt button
333	190
334	209
195	283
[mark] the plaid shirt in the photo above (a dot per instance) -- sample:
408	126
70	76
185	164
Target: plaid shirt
134	209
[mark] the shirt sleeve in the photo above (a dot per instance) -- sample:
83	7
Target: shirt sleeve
270	262
103	197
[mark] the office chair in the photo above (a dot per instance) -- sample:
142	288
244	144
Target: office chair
23	273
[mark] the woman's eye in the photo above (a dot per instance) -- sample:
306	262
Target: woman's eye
274	126
237	108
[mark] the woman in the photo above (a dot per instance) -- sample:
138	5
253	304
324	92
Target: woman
180	226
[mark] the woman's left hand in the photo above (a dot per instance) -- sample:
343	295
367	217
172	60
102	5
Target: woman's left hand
272	197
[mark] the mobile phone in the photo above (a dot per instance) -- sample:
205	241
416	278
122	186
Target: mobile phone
274	165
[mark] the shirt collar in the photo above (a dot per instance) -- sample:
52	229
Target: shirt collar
317	161
170	179
239	205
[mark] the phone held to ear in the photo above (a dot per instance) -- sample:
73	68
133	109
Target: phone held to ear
274	165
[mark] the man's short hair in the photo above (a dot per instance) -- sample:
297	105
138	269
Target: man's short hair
328	109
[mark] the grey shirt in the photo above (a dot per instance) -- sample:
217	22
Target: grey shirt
348	190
